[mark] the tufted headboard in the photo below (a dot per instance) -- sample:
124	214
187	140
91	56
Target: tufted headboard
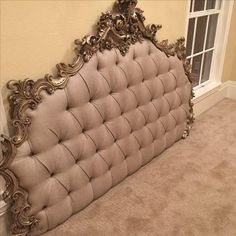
124	100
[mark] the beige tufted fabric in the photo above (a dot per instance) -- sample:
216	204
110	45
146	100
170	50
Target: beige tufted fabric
114	116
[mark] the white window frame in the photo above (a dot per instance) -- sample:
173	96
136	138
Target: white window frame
221	38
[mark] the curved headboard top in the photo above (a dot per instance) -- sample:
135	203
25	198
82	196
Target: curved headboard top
124	100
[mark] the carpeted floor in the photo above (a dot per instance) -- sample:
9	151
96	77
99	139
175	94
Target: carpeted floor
189	190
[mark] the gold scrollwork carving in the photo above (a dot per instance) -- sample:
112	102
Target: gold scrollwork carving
8	152
117	29
26	95
22	222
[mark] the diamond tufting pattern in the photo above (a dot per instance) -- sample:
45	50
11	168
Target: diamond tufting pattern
115	115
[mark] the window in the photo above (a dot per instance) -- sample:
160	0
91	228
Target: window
203	18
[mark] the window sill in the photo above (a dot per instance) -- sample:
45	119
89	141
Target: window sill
207	96
205	90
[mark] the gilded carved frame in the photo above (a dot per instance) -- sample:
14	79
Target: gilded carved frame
120	28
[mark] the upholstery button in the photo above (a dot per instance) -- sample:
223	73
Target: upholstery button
52	174
44	207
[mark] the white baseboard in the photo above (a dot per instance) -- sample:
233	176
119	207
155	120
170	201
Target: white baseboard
231	89
213	94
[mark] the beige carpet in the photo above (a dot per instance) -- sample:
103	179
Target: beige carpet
189	190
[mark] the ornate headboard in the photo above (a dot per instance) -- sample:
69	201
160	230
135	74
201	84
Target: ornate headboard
124	99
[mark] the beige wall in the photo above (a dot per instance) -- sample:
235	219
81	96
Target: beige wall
35	35
230	56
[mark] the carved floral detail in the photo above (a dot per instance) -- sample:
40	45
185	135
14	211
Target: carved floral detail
22	222
119	29
8	152
25	95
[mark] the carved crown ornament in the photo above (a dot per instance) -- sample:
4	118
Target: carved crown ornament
119	29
